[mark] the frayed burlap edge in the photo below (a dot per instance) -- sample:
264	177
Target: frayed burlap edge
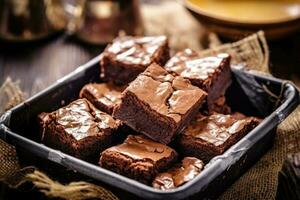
73	191
12	175
253	51
10	95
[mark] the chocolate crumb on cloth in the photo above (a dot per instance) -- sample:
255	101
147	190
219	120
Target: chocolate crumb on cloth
128	56
139	158
158	104
179	174
79	129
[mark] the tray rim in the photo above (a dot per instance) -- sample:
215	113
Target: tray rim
130	185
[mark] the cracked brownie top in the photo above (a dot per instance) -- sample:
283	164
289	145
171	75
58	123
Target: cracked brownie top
179	174
188	64
164	93
136	50
103	95
139	147
81	119
217	128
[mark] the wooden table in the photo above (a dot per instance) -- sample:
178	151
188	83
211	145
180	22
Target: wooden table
39	64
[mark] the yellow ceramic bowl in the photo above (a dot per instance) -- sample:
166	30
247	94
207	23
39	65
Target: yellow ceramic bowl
237	18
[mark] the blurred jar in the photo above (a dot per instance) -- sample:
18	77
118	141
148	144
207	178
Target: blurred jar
26	20
103	20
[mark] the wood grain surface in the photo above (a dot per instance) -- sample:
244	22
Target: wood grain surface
39	64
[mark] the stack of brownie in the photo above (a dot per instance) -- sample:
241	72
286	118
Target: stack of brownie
172	112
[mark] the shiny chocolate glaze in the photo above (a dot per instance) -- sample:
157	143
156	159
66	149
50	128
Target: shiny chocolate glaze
164	93
180	57
139	147
181	173
104	93
136	50
217	128
81	119
188	64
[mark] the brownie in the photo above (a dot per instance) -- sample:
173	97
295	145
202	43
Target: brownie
103	96
159	105
79	129
219	106
127	57
139	158
212	74
178	175
209	136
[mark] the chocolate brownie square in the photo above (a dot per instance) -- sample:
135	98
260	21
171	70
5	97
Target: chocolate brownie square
138	158
127	57
209	136
103	96
79	129
212	74
179	174
158	104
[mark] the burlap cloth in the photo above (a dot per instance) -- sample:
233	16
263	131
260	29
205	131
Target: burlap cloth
260	182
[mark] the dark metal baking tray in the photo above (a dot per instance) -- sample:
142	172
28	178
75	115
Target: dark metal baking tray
269	98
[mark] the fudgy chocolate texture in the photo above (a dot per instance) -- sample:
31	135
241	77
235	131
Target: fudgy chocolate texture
212	74
178	175
103	96
209	136
139	158
127	57
158	104
79	129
